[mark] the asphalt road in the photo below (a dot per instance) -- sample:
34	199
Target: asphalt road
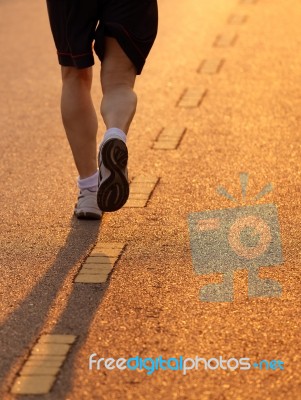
239	64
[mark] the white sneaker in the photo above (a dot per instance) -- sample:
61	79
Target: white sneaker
86	206
113	188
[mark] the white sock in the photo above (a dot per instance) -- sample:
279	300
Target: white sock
113	133
90	183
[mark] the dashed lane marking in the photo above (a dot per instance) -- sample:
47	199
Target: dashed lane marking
110	245
141	190
225	40
40	370
92	278
132	203
137	196
211	66
162	145
104	252
192	98
99	263
235	19
169	138
33	384
100	260
59	339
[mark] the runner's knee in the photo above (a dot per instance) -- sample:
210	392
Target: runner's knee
83	75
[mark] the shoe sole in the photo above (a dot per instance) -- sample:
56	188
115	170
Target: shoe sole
87	215
114	191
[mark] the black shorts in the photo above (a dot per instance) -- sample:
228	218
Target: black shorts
76	24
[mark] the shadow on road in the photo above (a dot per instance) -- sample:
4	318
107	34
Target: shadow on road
21	329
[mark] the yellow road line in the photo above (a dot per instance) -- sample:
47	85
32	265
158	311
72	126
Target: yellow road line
39	372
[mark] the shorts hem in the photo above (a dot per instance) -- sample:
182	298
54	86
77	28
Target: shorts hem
77	61
126	42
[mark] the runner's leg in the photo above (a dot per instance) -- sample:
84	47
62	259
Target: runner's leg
118	75
79	118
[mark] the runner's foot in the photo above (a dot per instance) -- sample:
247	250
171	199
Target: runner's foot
113	190
86	206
